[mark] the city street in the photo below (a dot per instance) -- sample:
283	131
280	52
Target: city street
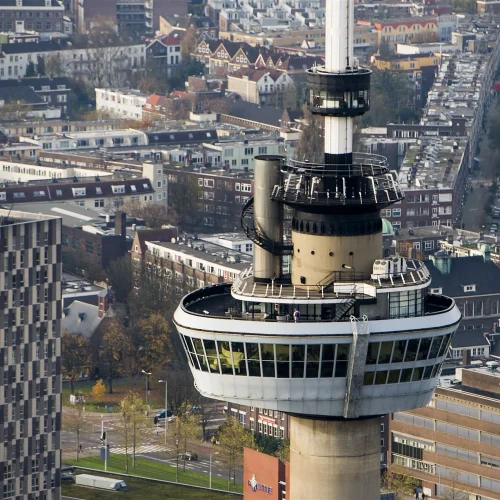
152	446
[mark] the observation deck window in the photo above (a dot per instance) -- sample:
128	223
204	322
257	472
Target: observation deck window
406	304
267	360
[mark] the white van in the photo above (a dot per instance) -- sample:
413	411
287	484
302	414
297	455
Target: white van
103	483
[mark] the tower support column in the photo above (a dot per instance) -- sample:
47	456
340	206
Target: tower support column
334	459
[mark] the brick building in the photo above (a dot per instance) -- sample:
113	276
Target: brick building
452	444
209	200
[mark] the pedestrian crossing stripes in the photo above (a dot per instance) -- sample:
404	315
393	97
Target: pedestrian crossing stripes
140	450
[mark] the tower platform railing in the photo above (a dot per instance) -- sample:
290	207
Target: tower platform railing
362	165
218	301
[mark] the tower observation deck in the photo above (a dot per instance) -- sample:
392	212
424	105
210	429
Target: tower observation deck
346	336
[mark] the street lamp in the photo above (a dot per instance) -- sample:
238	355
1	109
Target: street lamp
166	407
147	386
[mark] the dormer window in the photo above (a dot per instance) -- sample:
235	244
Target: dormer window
437	291
469	288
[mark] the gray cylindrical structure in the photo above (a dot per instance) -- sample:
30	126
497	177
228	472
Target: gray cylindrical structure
268	216
334	459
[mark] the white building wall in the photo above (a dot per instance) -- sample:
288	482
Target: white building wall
123	104
22	172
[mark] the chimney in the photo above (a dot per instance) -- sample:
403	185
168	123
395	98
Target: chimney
466	357
105	299
121	224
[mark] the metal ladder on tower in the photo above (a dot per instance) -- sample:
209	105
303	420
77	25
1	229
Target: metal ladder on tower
356	367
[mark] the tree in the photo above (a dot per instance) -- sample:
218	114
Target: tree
55	66
390	98
283	452
40	66
153	341
74	357
452	491
494	130
152	291
188	42
105	52
98	391
233	438
134	417
77	422
115	351
185	429
396	480
310	146
180	389
14	110
120	277
154	215
30	70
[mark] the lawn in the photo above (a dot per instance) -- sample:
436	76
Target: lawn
137	488
155	470
121	386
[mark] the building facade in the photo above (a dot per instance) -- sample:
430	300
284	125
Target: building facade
121	103
43	16
30	378
452	444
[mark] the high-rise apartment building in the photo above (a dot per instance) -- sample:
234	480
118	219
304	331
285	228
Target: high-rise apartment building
30	355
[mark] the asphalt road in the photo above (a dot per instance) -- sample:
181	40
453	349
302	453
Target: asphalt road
152	447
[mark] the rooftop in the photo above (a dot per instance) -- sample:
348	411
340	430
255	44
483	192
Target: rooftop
208	252
433	162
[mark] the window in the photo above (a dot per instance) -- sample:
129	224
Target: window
469	288
263	150
396	212
99	203
79	191
118	189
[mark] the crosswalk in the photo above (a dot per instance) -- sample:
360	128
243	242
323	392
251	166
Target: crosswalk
140	450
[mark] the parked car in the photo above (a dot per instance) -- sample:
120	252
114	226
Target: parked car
190	455
161	414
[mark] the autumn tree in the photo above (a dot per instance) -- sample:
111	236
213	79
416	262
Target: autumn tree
133	413
283	452
188	42
153	341
115	351
74	357
76	421
396	480
120	277
233	438
98	391
155	215
185	430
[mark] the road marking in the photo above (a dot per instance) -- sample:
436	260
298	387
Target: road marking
154	448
